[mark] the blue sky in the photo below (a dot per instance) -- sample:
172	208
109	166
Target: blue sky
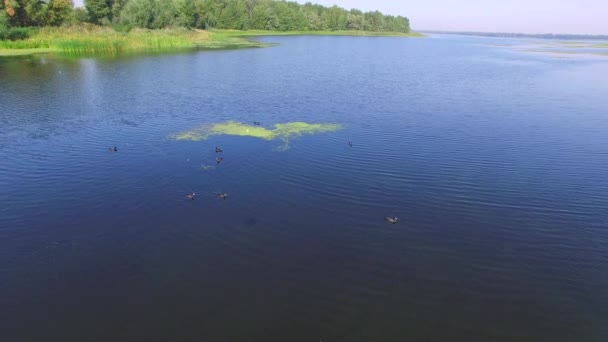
528	16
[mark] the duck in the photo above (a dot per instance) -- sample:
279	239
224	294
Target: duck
190	195
218	149
256	123
350	144
219	160
222	195
113	149
391	220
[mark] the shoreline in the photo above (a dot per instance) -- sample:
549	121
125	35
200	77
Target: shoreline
94	40
253	33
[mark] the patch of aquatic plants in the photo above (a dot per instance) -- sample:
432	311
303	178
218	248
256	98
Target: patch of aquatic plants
226	39
283	132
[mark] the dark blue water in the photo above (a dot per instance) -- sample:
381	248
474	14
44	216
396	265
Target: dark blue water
496	162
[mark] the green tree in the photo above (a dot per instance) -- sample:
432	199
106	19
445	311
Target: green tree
60	12
100	11
207	12
4	20
313	22
81	15
375	21
354	21
263	17
36	12
139	13
167	14
152	14
116	9
187	14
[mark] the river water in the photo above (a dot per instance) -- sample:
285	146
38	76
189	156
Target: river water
495	161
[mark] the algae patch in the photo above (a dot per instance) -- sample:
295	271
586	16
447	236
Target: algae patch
283	131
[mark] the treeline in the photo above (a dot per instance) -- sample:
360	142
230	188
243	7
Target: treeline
15	15
225	14
243	15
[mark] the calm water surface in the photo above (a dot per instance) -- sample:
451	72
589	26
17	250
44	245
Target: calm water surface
496	161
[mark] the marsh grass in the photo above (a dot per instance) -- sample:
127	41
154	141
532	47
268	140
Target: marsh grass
106	40
91	39
226	39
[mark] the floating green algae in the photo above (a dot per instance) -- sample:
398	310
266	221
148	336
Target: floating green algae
283	131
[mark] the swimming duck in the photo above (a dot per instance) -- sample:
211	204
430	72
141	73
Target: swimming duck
113	149
218	150
219	160
256	123
350	144
190	195
222	195
391	220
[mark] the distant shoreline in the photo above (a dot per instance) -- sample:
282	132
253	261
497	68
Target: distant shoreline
522	35
96	40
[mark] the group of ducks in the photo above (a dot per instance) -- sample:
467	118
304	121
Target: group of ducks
192	195
218	160
222	195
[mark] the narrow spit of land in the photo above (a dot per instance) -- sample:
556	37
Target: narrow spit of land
103	40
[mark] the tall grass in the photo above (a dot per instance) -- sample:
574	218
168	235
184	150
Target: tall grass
91	39
24	44
106	40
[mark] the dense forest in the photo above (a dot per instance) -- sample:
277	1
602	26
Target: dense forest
276	15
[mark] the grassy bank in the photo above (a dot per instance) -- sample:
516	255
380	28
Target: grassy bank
230	39
91	39
253	33
23	52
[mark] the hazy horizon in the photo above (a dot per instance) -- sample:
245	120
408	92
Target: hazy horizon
516	16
